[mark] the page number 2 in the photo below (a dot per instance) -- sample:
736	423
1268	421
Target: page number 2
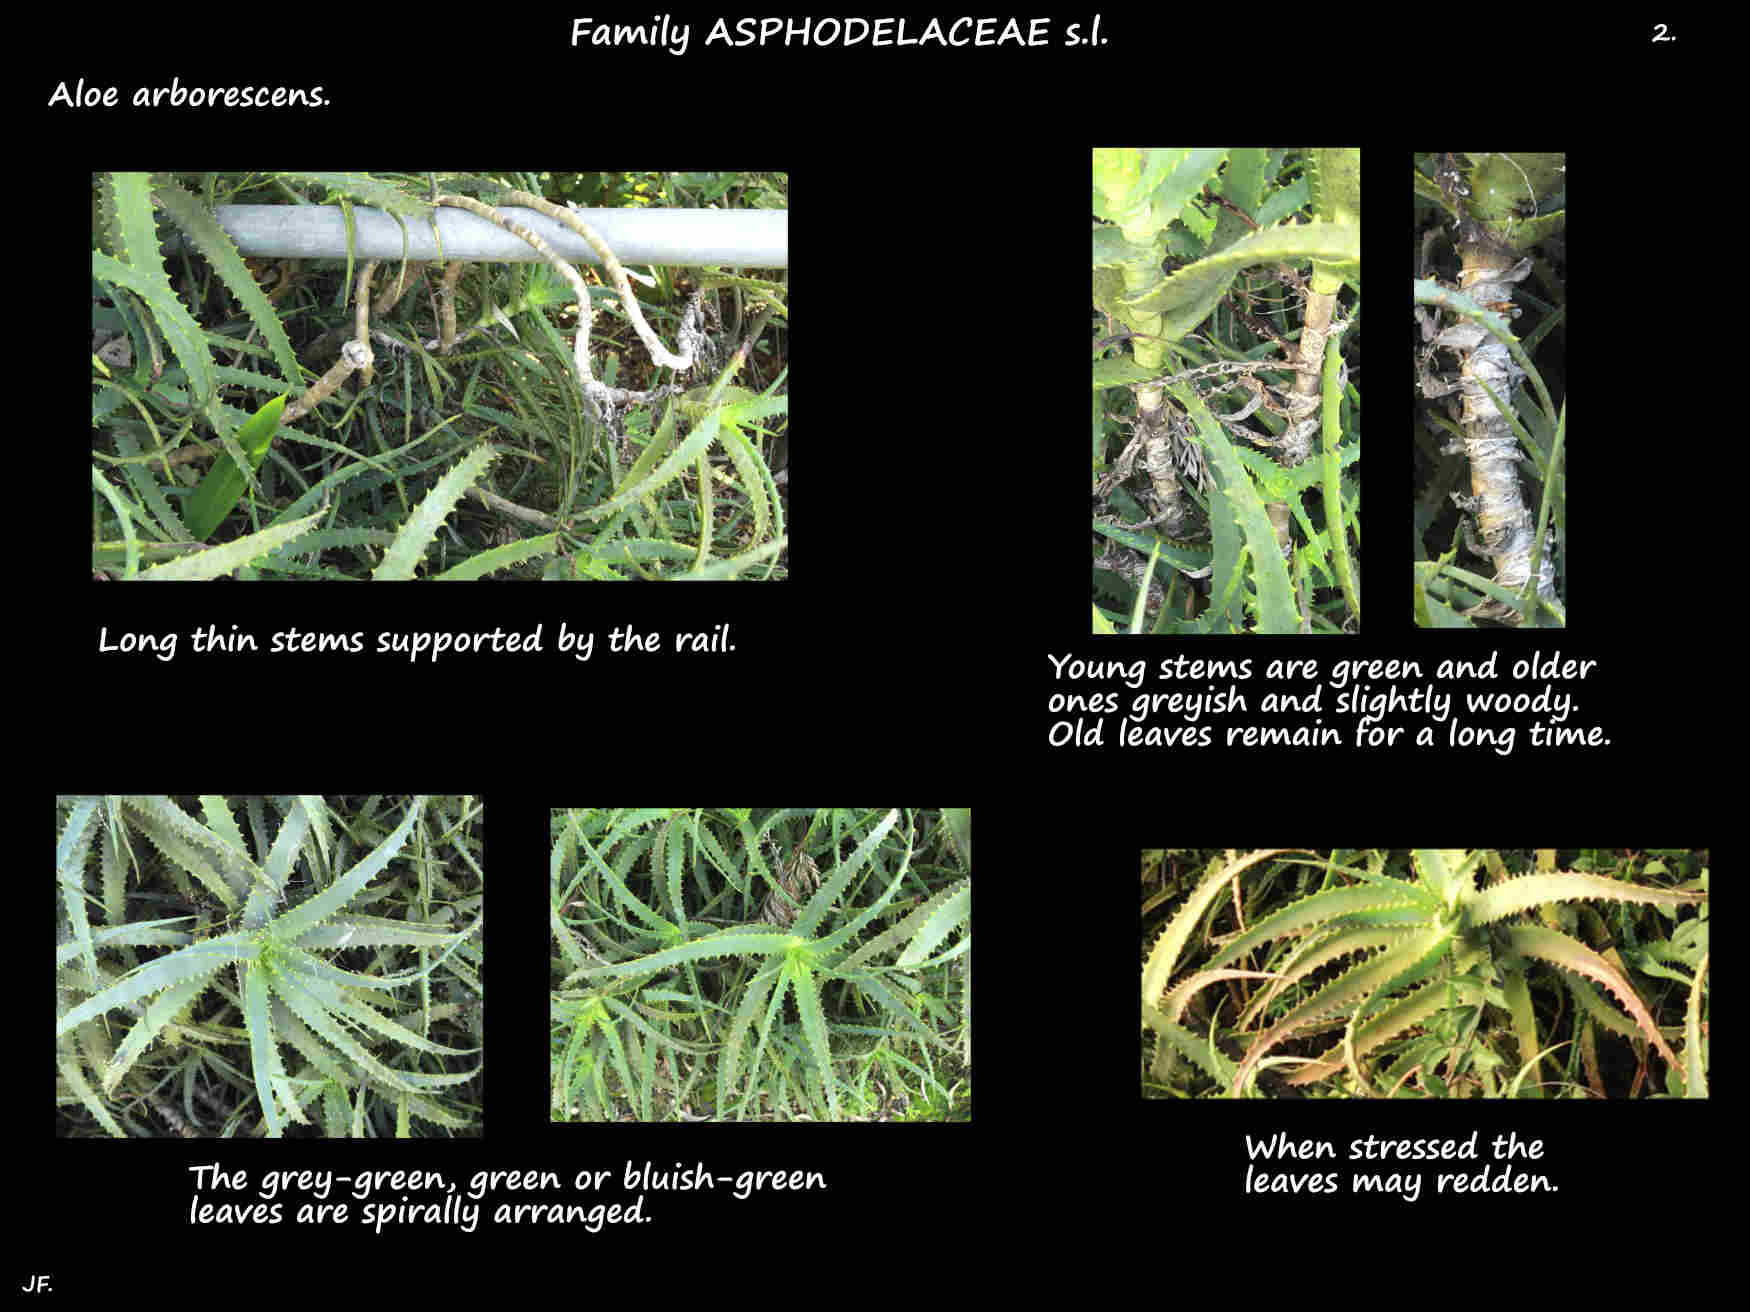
1660	33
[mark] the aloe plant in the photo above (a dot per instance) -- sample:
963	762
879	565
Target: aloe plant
274	888
393	418
1428	984
734	964
1229	221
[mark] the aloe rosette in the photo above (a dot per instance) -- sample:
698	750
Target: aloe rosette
1431	953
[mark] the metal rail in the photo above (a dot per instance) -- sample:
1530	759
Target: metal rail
757	239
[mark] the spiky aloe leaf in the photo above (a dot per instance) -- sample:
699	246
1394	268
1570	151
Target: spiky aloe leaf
227	558
134	934
1321	950
223	835
944	913
666	930
213	853
681	460
406	552
1316	909
1415	1009
299	920
199	225
617	1050
1175	1038
427	1110
1413	961
1163	958
802	979
928	923
291	987
1562	951
1234	504
319	979
1528	891
1190	295
288	845
199	961
751	470
264	1050
1355	990
74	1074
315	811
1694	1072
377	932
1599	1009
138	265
1334	188
71	849
753	1002
160	1013
733	942
337	977
883	994
835	886
1173	1007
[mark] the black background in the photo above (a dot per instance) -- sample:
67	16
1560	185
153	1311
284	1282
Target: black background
931	188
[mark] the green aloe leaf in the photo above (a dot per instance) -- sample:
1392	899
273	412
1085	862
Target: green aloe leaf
373	1042
225	481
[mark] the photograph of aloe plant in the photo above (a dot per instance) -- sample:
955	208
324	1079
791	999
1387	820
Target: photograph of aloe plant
454	376
758	964
298	967
1491	344
1436	973
1226	391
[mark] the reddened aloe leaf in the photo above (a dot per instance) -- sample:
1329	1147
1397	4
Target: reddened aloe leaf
1163	959
1559	950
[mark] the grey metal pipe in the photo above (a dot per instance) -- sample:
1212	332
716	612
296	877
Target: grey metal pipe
757	239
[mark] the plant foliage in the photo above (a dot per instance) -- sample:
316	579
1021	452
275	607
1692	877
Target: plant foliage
1196	258
351	930
752	964
442	422
1424	982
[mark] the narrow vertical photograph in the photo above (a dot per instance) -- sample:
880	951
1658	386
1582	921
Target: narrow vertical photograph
295	967
1226	410
1491	505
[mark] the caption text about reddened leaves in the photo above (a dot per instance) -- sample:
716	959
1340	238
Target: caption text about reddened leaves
1277	1165
1496	703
